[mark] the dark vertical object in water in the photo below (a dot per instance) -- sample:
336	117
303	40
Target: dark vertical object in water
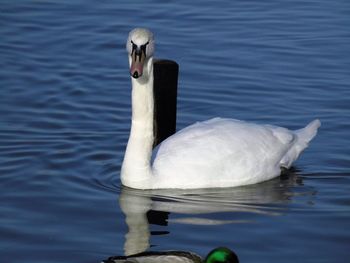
165	96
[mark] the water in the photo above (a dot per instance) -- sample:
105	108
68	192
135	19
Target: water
65	118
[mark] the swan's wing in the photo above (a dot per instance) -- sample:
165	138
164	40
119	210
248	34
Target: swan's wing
238	152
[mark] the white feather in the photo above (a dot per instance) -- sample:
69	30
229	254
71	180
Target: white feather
225	153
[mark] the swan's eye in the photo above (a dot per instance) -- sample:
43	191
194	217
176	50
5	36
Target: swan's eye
143	48
134	47
138	50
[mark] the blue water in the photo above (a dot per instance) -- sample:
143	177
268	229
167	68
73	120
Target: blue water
65	119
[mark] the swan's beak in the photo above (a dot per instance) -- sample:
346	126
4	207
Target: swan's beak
137	61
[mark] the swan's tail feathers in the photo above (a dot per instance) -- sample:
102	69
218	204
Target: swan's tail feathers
306	134
303	137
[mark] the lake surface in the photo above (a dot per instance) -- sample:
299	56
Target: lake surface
65	119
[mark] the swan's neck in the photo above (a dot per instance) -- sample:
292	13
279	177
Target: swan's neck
136	169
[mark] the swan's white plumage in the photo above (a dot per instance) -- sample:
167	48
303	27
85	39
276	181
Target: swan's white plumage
214	153
224	153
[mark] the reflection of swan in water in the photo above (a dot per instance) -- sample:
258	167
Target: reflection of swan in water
217	255
268	198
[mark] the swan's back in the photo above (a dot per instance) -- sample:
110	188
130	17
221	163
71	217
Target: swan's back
224	153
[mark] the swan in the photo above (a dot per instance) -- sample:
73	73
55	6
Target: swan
214	153
217	255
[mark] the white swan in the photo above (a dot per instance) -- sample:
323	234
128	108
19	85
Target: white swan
214	153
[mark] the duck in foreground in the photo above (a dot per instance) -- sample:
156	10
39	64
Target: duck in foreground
214	153
218	255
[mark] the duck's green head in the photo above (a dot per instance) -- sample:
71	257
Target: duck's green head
221	255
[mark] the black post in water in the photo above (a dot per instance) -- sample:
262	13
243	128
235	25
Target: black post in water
165	95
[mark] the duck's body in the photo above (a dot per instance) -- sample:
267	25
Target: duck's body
158	257
215	153
217	255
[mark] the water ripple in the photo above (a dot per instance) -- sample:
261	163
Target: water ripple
65	118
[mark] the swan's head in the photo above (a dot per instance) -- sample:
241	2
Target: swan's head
140	47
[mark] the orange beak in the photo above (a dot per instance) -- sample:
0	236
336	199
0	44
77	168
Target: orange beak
137	60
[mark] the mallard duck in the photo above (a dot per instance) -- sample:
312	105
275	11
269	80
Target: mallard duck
217	255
